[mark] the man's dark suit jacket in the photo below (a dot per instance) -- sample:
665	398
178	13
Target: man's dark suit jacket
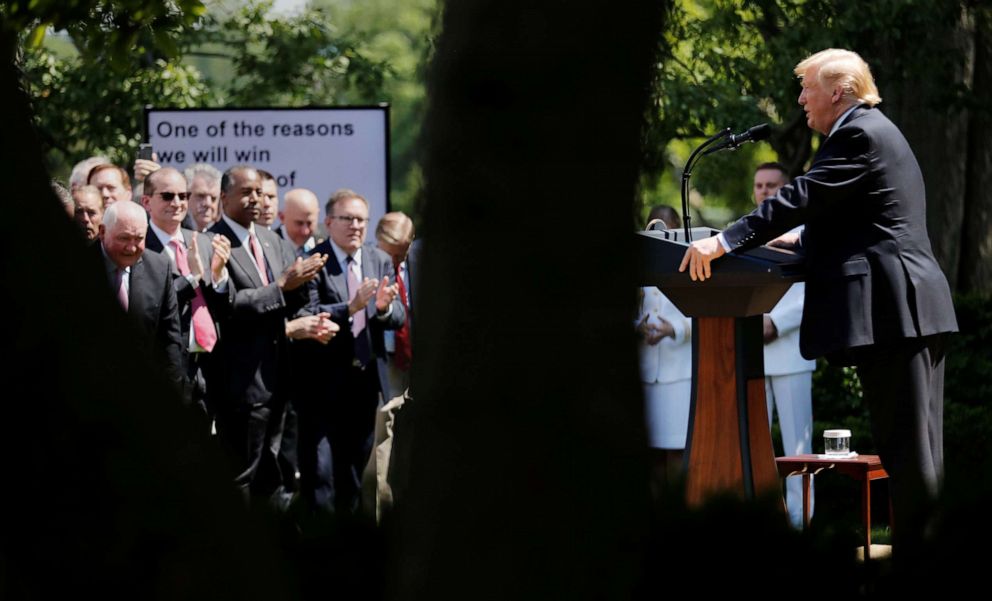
250	357
152	306
871	276
329	293
185	293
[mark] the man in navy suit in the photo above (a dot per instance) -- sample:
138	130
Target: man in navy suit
337	418
250	363
875	296
199	274
142	283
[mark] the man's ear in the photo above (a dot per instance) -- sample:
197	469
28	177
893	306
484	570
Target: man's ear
102	231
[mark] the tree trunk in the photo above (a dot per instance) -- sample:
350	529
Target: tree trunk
975	273
525	444
938	134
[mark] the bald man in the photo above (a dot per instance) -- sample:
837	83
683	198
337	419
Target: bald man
142	283
298	217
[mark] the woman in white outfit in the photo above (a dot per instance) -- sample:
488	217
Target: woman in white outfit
666	372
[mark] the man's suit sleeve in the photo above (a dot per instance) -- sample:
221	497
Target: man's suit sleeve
338	310
839	173
169	332
184	290
249	303
297	300
397	316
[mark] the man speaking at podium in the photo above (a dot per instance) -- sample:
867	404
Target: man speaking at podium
875	296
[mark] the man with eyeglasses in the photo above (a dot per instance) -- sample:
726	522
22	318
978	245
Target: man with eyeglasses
269	289
199	274
203	181
337	420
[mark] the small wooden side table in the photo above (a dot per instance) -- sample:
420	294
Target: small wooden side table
863	468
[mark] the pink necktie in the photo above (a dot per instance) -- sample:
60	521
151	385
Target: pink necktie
203	325
121	289
358	319
256	251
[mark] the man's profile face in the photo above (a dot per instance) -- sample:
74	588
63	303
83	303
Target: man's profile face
204	198
167	214
111	186
766	183
88	213
270	201
125	242
347	223
818	102
243	199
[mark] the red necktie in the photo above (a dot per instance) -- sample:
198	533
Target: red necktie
256	251
203	325
121	289
403	354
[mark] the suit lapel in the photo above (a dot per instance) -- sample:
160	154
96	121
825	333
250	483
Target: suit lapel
135	301
153	243
273	256
240	255
369	271
336	277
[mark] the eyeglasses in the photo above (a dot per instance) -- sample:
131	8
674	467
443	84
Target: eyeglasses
349	220
168	196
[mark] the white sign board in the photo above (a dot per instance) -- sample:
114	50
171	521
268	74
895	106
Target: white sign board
321	149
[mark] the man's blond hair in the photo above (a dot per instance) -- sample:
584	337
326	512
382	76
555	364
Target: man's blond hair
395	228
836	67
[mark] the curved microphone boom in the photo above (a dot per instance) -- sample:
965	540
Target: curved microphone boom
718	141
735	141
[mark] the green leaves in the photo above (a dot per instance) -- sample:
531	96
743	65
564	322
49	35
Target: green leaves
108	31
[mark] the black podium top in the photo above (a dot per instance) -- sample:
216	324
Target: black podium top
742	283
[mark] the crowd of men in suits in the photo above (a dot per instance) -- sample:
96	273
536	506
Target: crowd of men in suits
276	339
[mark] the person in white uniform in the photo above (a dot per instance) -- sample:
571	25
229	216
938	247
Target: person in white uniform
788	377
666	373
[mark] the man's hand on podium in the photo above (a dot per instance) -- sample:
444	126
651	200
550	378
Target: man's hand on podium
789	241
698	256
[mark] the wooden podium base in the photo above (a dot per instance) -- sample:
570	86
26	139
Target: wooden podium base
729	448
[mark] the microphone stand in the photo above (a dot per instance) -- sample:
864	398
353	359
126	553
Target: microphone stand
687	173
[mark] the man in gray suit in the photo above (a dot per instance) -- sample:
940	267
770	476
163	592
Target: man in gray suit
268	283
875	296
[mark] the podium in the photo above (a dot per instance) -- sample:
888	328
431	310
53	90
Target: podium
729	447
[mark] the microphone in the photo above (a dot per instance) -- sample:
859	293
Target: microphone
735	141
